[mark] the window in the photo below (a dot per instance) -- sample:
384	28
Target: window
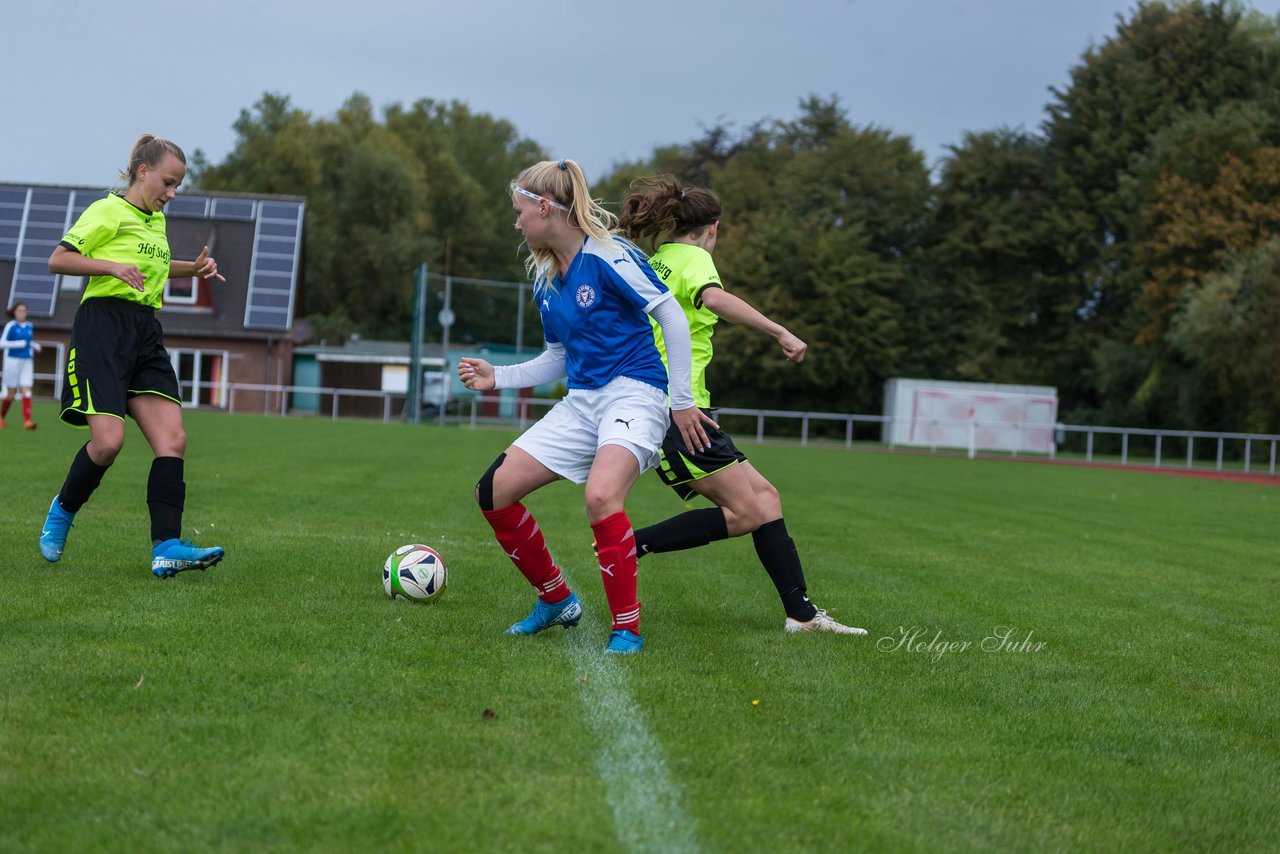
182	291
202	376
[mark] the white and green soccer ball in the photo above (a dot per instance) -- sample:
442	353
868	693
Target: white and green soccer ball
414	572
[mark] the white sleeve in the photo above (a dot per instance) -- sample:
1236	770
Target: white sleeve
546	367
675	335
5	343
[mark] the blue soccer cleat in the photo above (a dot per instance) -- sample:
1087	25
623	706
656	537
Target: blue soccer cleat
544	615
624	642
174	556
53	537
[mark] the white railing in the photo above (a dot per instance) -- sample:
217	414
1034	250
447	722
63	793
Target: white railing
521	411
275	398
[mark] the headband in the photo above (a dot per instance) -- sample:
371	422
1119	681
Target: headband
522	191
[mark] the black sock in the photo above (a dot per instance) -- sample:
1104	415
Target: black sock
778	553
166	495
686	531
82	479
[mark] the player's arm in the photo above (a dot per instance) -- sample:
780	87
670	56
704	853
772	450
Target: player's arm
68	262
8	343
546	367
739	311
203	267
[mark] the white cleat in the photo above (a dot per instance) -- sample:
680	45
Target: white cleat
822	622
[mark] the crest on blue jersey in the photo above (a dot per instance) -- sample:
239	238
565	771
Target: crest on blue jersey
586	296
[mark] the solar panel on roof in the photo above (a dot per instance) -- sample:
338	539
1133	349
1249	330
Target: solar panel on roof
13	208
43	225
187	207
34	219
233	209
277	240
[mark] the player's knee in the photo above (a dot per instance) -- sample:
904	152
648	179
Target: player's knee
103	449
176	444
171	443
601	503
763	507
602	506
484	488
768	503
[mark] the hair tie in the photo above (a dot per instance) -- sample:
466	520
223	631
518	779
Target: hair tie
562	165
682	194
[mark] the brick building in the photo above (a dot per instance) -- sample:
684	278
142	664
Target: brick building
217	333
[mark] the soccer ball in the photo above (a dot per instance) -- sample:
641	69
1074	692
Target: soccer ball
414	572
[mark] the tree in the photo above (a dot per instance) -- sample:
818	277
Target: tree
990	243
427	184
1164	63
1230	329
822	229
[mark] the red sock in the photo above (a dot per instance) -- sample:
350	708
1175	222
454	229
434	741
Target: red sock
4	407
26	409
616	545
521	538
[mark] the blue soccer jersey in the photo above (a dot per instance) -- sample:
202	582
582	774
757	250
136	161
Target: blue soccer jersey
598	310
16	339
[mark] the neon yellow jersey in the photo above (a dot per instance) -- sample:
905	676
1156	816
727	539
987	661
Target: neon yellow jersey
113	230
686	270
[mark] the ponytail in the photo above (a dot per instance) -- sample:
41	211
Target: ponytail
149	150
663	207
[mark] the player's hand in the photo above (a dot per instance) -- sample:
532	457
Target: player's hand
130	275
792	347
476	374
206	267
36	347
692	423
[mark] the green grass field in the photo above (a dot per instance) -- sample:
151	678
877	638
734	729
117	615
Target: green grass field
281	701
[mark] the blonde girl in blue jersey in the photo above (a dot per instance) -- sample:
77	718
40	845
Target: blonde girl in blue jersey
595	294
19	348
118	364
685	222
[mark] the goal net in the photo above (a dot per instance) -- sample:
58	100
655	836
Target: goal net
974	416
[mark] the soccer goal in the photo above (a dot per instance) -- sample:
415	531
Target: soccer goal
972	416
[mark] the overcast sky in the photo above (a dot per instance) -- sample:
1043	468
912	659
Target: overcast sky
596	81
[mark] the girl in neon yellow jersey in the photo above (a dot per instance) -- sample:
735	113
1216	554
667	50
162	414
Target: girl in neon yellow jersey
118	364
685	222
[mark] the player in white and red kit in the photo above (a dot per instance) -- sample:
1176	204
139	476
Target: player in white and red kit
595	294
19	350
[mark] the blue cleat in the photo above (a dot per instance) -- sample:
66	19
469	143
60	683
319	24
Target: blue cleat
174	556
547	614
624	642
53	537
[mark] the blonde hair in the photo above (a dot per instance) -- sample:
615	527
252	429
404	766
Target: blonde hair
563	182
149	150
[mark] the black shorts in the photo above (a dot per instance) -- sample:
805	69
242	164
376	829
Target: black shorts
117	352
679	469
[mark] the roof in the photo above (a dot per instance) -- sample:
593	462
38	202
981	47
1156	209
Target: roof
257	239
371	352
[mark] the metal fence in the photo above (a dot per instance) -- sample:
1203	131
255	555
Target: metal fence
1136	446
1250	453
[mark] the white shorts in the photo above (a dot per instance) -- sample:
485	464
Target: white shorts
17	373
625	412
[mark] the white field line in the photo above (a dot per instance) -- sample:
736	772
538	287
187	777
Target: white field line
647	811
